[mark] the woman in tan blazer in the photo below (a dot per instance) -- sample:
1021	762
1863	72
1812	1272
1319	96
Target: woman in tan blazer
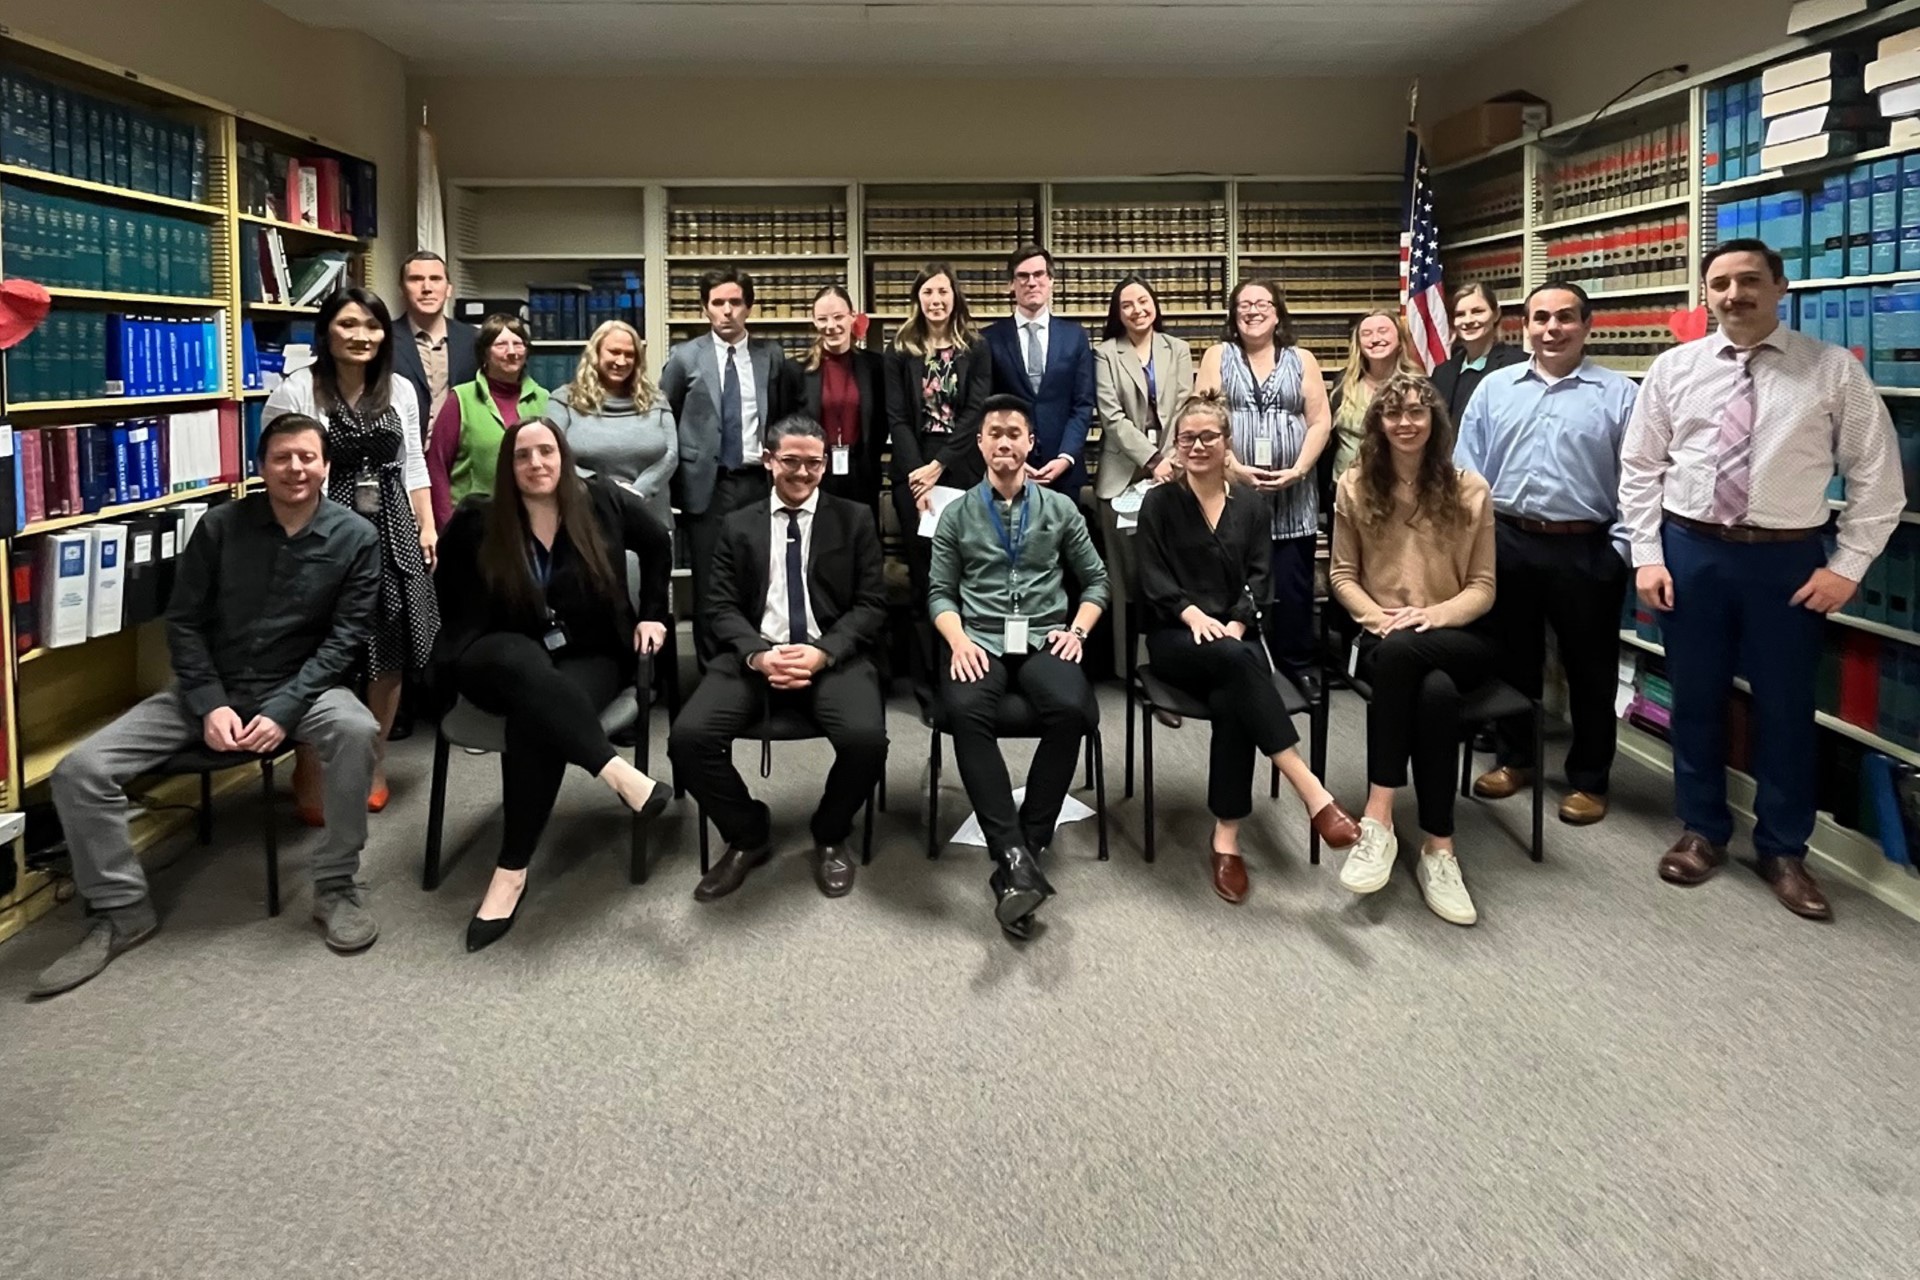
1141	378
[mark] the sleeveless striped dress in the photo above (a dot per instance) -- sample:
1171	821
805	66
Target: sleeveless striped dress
1275	408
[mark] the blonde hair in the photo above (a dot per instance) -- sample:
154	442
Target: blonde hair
818	351
586	395
1350	380
912	337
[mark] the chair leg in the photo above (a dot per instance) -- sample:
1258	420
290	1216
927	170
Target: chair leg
866	839
1466	763
1100	791
1539	851
204	819
700	816
881	790
1146	782
1132	705
436	813
1088	739
270	836
637	868
933	798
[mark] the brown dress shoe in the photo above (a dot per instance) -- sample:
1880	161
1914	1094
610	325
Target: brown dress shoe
730	872
1795	888
1692	860
1498	784
1336	826
1230	877
1582	809
833	870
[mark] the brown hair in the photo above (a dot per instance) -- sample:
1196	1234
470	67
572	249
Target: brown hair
912	337
1210	404
504	565
818	351
1437	484
492	327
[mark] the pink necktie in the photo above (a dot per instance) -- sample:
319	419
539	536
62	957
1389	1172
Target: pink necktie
1735	446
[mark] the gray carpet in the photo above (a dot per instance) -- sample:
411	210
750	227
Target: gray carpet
1606	1078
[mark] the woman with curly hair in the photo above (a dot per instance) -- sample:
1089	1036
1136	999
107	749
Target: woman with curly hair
1413	564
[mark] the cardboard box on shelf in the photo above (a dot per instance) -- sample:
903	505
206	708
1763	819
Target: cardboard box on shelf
1497	120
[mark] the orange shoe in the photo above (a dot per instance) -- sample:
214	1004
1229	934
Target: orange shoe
309	816
377	801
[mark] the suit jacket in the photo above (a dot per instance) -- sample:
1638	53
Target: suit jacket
461	366
845	584
958	453
1063	410
1456	383
690	381
862	483
1120	397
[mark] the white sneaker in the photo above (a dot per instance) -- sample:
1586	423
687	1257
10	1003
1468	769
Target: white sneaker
1370	862
1441	885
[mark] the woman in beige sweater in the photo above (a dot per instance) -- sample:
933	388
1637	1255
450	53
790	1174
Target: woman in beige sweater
1413	564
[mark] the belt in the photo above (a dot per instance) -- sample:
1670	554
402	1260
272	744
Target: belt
1551	526
1744	532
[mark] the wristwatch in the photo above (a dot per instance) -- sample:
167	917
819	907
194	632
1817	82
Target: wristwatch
1077	633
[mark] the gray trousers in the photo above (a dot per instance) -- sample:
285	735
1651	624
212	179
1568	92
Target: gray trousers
89	788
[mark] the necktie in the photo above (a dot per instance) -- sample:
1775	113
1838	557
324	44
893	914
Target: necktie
731	457
796	583
1735	447
1036	366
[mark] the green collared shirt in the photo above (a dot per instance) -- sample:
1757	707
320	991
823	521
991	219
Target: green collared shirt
971	576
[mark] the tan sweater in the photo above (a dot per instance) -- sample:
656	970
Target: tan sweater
1406	563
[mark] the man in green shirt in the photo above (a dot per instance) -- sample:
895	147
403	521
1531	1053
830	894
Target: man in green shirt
998	597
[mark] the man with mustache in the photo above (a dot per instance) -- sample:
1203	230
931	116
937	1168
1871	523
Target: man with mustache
1723	489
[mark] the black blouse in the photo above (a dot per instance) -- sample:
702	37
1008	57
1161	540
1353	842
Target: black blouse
1455	383
1223	571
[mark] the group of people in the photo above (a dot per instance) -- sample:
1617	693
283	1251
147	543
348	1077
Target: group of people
497	552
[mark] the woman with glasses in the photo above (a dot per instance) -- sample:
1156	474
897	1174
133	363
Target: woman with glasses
1278	404
465	439
1413	563
1205	551
846	393
541	631
1141	378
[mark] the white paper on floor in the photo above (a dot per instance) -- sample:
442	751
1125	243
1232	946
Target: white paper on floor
1071	810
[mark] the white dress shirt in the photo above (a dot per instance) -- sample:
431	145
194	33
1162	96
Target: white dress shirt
1815	412
774	628
749	395
1045	321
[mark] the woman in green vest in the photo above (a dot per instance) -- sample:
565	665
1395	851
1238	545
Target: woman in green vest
465	441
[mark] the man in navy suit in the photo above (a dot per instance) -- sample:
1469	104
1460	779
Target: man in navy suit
1048	363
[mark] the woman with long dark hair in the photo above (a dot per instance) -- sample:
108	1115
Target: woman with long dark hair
1413	564
844	389
373	441
540	630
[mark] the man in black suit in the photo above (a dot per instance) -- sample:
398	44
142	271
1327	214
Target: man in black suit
797	603
1047	362
435	352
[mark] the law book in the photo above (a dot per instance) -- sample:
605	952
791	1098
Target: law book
1713	138
26	605
1837	92
1807	15
1826	64
65	587
1859	323
1884	70
1859	220
107	592
1898	100
1756	126
1801	125
1827	229
1833	316
1734	132
1884	210
1899	556
1909	254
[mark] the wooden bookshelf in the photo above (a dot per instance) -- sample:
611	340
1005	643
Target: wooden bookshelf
200	494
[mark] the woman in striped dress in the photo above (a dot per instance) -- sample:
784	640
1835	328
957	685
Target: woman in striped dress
1277	400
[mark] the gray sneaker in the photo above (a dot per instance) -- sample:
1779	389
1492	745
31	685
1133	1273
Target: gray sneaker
340	905
111	932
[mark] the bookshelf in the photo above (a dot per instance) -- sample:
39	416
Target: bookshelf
152	223
1332	243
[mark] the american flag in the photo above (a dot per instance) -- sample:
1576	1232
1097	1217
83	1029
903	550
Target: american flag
1422	293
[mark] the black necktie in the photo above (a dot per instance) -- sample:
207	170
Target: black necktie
796	583
732	458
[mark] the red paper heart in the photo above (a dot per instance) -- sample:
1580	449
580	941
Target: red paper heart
860	323
1688	326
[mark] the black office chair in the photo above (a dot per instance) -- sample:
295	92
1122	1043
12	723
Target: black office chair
206	762
792	726
465	725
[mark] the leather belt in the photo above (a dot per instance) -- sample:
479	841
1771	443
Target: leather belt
1551	526
1744	532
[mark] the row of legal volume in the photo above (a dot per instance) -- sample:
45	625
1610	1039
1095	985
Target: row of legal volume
78	470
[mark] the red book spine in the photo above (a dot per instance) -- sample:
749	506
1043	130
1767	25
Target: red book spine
33	476
26	610
229	442
76	504
1860	679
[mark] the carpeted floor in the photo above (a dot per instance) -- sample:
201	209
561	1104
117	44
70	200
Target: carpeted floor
1606	1078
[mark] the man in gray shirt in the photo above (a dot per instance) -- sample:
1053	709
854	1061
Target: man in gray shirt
270	609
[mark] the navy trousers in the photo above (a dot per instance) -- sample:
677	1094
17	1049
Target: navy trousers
1731	617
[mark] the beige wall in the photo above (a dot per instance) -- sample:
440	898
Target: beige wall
1582	58
337	85
663	127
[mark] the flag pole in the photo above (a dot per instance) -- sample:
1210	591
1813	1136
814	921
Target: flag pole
1413	103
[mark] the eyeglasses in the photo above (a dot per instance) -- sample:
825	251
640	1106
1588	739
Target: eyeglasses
790	463
1255	308
1029	277
1198	439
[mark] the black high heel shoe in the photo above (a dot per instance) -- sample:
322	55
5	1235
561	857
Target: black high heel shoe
482	934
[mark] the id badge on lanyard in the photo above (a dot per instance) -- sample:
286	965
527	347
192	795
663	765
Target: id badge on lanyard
1013	635
842	460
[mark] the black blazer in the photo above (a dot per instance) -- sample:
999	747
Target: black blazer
461	366
862	483
958	453
468	610
1456	383
845	584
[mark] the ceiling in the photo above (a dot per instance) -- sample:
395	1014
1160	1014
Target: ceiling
1075	37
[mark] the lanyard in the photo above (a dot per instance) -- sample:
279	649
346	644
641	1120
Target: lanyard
542	563
1015	544
1153	384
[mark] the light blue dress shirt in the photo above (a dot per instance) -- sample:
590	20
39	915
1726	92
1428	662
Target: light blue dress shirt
1550	450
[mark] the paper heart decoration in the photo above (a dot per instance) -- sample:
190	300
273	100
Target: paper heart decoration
860	323
1688	326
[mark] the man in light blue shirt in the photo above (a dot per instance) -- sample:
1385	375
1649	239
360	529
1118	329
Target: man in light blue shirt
1546	435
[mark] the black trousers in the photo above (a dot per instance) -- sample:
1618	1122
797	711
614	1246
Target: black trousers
1573	582
730	701
1418	678
1235	679
1290	632
1062	698
732	490
552	709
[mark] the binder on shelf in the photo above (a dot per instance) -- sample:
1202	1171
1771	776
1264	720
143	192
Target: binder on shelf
1710	166
1734	131
1884	209
1827	229
65	587
1859	323
107	591
143	600
1900	582
1859	219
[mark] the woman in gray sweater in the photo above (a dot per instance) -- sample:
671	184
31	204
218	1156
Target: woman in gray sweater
617	421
